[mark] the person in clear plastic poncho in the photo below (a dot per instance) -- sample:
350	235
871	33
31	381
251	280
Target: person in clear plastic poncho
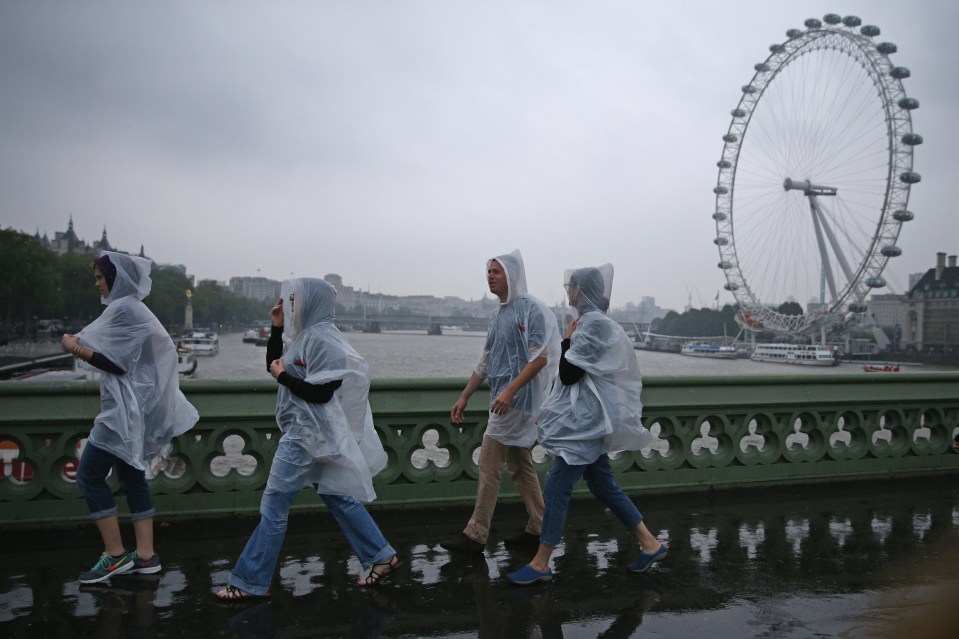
594	409
141	410
519	359
328	439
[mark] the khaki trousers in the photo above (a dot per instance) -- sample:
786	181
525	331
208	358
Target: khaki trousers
519	462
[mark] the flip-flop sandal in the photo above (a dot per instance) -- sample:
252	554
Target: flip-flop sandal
386	569
232	593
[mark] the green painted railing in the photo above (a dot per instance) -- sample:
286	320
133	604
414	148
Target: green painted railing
710	433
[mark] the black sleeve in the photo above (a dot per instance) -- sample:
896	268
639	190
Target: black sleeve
569	374
274	345
100	361
313	393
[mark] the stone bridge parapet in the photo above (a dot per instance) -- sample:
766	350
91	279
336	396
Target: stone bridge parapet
709	434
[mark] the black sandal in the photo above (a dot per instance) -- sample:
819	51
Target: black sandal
386	569
232	593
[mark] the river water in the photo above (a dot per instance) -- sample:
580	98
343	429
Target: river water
404	354
414	354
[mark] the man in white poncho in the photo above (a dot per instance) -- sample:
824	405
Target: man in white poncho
593	410
141	410
519	359
328	439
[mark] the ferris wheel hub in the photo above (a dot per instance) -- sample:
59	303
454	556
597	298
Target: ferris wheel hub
808	188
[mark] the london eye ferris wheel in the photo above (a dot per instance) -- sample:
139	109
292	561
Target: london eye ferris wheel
814	178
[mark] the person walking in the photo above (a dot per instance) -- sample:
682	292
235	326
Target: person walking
519	359
596	408
328	439
141	410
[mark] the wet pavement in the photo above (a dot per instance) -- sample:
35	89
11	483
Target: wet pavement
862	560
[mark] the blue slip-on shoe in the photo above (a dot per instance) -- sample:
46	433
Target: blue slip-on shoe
646	560
527	575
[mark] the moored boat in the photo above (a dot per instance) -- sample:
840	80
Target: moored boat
185	360
200	342
709	350
251	335
884	368
804	354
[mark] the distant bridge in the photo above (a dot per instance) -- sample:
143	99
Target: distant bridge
409	322
425	322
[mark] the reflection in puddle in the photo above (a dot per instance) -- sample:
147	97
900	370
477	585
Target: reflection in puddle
788	566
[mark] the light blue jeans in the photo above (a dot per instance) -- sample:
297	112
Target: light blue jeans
600	481
254	569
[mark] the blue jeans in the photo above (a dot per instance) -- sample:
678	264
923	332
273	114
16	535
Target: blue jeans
95	465
254	569
600	481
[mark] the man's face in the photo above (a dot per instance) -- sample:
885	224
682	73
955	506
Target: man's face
496	278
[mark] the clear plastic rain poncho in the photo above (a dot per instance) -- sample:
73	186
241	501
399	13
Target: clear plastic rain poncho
142	410
520	330
602	412
333	445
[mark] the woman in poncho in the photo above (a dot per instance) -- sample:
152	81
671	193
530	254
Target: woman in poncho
327	441
141	410
594	410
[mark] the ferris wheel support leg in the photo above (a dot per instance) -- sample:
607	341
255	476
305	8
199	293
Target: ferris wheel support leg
836	249
821	242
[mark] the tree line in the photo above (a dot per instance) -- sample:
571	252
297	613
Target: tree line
39	284
706	322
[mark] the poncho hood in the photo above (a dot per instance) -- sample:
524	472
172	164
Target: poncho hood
132	278
595	284
306	302
512	263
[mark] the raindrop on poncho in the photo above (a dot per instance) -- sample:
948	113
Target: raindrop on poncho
602	412
142	410
332	445
520	330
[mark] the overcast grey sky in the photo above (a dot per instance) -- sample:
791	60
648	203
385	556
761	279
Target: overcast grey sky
400	144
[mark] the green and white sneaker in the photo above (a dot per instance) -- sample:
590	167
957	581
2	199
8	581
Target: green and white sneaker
107	567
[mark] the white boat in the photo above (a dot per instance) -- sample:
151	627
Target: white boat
200	342
806	354
251	335
709	350
185	360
